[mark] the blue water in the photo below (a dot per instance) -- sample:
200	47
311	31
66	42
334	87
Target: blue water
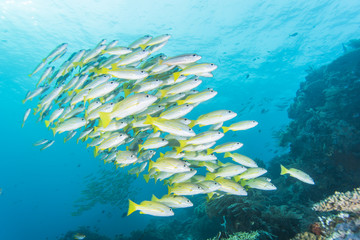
262	50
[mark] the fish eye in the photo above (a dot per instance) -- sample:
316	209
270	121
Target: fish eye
143	50
187	105
196	79
163	140
111	82
142	71
211	64
212	154
237	143
211	91
147	96
127	48
190	129
159	106
199	187
170	210
83	119
194	55
184	165
219	133
151	151
156	80
132	155
147	36
229	111
111	103
181	75
120	135
188	200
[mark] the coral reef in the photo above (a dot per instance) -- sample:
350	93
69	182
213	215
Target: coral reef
341	226
108	186
307	236
240	236
89	234
324	134
256	213
347	202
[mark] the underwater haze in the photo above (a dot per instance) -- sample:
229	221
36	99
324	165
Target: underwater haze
263	50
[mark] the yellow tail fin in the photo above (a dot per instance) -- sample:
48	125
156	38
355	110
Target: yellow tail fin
47	123
192	124
237	178
163	93
210	195
210	176
127	92
54	130
149	120
182	143
283	170
180	102
169	190
151	164
225	129
132	207
143	46
147	177
176	75
209	151
226	155
154	199
96	150
105	118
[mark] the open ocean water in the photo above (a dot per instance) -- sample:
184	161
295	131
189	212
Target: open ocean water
263	51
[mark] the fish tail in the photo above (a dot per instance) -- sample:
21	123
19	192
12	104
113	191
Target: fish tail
147	177
151	164
30	75
209	196
201	164
154	199
96	129
220	163
149	120
161	155
96	150
192	124
143	46
54	130
209	151
70	93
225	129
169	190
105	118
127	91
243	182
102	100
176	75
180	102
237	178
47	123
155	178
210	176
132	207
140	147
182	143
23	101
226	155
283	170
22	125
178	150
163	93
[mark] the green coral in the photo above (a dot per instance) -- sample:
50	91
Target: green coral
241	236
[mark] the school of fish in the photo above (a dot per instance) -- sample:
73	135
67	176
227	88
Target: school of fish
129	104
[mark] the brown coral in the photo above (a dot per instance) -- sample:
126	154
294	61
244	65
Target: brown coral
347	202
307	236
